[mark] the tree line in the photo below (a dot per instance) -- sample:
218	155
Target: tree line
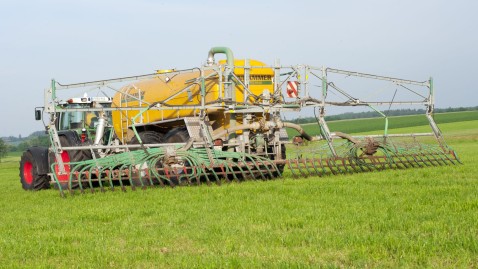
42	140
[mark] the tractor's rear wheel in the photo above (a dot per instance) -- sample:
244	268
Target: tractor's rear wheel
68	157
32	163
147	137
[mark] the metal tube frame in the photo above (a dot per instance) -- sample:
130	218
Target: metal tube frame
226	86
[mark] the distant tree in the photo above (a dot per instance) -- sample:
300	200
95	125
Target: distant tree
12	148
3	149
23	146
33	141
37	133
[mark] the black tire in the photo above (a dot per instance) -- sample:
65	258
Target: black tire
177	135
69	157
33	171
77	155
147	137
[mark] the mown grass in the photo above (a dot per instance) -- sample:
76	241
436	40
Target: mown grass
418	218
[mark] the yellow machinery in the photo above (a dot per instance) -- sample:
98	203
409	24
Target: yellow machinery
220	122
168	87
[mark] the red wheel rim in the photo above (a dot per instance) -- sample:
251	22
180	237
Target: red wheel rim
66	159
27	172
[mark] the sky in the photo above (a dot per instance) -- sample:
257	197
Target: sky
84	40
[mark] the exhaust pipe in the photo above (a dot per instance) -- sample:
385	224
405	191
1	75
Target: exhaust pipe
100	129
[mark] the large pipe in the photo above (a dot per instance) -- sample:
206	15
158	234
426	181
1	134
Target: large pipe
229	88
252	126
346	136
299	129
225	50
257	125
100	129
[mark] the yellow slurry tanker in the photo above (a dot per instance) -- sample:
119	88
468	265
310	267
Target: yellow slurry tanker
220	122
163	90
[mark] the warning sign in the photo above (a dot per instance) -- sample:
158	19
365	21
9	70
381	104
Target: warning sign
292	89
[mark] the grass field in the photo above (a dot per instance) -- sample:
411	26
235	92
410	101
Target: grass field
378	124
418	218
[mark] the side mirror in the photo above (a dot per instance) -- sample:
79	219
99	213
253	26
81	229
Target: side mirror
38	113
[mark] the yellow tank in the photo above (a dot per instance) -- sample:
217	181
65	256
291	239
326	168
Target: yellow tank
166	85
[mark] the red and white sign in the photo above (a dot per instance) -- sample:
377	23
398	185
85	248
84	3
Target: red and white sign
292	89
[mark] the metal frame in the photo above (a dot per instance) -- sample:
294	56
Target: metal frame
227	100
302	72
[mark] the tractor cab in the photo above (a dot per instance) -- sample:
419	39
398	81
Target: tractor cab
85	116
79	117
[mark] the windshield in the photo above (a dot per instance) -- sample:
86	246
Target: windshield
81	119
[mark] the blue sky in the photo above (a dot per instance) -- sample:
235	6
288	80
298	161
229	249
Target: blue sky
75	41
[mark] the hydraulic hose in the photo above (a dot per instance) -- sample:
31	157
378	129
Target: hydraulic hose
299	129
346	136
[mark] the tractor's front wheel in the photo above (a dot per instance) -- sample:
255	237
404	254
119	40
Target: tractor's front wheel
34	169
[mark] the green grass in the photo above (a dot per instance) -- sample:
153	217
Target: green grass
378	124
14	154
11	157
418	218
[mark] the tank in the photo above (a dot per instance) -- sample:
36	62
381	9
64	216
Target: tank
167	84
